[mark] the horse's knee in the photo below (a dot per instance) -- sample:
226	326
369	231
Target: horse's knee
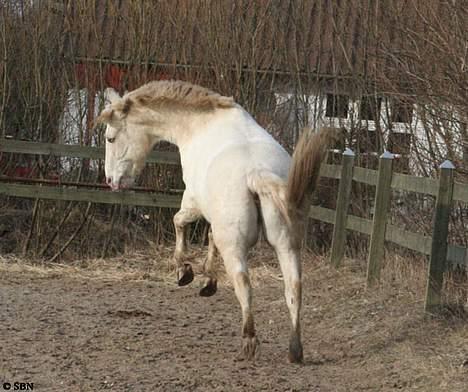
178	220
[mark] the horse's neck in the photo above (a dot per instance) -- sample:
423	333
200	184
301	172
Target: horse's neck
180	128
227	129
203	135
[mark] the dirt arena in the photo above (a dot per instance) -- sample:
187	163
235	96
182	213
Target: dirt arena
123	325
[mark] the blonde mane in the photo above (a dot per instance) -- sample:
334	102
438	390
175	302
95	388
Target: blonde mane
171	94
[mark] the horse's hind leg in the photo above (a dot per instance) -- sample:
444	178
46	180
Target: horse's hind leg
233	242
210	283
290	266
181	219
279	236
236	267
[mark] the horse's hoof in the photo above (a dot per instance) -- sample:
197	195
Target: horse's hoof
210	287
249	348
185	275
296	354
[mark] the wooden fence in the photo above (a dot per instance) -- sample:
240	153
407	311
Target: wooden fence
442	256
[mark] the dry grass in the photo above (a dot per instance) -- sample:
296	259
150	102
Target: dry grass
154	265
375	338
135	266
401	275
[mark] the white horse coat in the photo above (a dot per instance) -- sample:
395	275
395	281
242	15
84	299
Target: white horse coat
229	163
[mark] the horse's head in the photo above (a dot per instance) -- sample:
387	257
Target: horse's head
162	110
127	143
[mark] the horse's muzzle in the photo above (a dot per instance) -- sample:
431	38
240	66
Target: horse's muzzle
122	183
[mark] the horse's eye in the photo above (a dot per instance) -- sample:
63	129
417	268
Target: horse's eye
111	139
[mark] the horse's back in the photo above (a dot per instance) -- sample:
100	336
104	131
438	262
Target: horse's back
249	146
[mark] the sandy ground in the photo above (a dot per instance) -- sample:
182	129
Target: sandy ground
124	325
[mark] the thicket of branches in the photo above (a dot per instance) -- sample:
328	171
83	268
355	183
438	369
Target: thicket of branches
278	59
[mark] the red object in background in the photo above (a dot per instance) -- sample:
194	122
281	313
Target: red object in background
113	76
81	74
29	172
89	77
21	171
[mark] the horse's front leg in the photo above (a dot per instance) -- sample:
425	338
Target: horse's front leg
210	284
181	220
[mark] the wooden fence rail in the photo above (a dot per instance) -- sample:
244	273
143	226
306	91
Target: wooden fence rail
442	255
75	151
143	199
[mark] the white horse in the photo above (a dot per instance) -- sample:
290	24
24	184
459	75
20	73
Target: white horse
237	177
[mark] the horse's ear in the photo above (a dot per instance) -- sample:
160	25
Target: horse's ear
108	116
105	117
111	95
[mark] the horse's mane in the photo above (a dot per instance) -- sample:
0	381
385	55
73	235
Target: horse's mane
175	94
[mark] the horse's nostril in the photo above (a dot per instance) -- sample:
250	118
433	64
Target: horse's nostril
108	180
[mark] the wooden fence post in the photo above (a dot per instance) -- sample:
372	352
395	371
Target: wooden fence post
342	203
379	222
438	258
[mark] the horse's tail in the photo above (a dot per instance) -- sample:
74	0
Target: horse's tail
304	170
291	197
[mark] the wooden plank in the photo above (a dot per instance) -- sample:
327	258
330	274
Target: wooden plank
322	214
75	151
354	223
95	196
330	171
460	192
366	176
438	258
360	174
342	204
414	241
428	186
361	225
424	185
457	256
379	223
167	157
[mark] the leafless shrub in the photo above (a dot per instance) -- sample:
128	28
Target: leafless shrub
278	59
